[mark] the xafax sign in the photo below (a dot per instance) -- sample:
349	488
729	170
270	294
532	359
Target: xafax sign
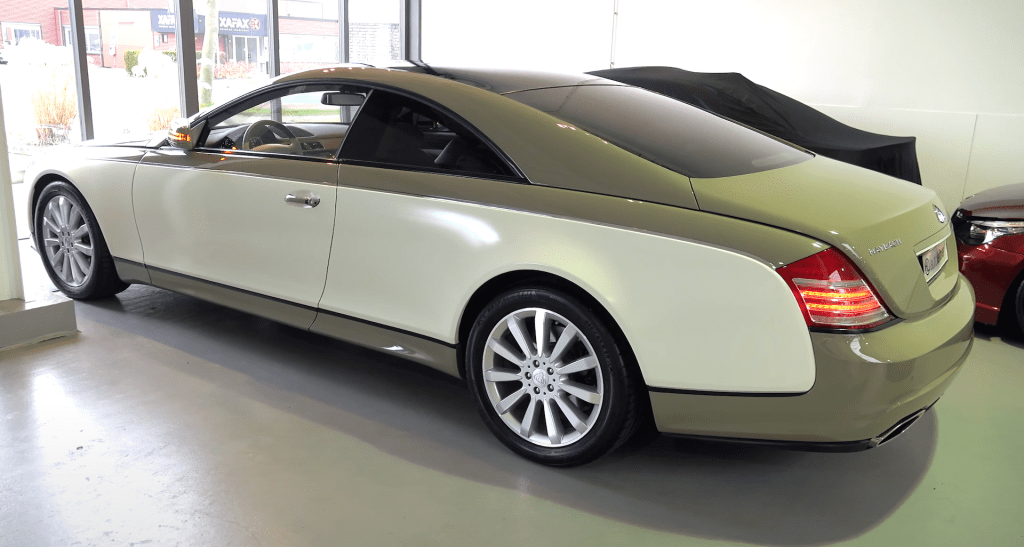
161	20
238	24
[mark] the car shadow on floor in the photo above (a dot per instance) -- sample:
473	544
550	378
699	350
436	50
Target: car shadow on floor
1008	334
719	491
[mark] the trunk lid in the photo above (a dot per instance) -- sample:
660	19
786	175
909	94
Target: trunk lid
881	223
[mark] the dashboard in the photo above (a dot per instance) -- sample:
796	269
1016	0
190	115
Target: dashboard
321	140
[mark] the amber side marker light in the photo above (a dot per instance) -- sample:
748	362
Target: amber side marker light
181	137
832	292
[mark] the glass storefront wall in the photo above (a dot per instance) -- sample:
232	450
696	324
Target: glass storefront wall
309	34
234	54
133	73
373	33
131	49
39	92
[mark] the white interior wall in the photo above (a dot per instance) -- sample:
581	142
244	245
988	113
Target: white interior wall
562	35
948	72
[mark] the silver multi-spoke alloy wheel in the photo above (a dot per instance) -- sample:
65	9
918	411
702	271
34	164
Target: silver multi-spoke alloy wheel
67	242
542	377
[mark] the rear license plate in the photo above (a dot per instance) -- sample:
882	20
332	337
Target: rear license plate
933	260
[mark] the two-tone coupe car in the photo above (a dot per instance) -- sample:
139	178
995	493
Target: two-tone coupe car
989	227
586	254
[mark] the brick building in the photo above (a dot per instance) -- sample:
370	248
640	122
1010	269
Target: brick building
308	30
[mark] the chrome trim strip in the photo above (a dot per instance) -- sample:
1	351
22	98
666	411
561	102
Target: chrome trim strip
241	173
258	154
116	160
933	245
998	223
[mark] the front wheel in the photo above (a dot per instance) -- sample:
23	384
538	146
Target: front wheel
549	379
1018	308
73	250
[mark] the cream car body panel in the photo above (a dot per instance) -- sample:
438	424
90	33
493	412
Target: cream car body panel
682	333
104	176
202	214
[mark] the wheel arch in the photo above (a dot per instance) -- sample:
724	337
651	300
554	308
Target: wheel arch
103	281
537	278
41	182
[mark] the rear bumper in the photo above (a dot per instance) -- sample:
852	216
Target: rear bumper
865	385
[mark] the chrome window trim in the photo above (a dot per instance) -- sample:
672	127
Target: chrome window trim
371	85
259	154
243	173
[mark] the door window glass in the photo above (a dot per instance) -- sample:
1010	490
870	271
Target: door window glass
395	130
662	130
306	120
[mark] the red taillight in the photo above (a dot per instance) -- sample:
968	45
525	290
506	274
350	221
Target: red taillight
832	293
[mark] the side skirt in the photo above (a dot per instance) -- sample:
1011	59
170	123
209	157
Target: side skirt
132	272
409	345
428	351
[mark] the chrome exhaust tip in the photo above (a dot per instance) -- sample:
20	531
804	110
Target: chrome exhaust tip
896	430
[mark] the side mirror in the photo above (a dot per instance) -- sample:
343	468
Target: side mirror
337	98
180	135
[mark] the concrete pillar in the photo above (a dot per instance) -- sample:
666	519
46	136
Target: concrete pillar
11	285
40	315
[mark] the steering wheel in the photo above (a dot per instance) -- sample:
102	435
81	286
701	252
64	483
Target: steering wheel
259	127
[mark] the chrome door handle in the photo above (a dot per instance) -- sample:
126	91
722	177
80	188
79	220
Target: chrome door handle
311	200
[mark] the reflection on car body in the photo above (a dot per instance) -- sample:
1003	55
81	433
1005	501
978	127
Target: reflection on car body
587	255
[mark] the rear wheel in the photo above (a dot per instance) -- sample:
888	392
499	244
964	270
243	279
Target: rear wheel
549	379
71	246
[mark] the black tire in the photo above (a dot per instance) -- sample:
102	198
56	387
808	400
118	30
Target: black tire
102	280
611	421
1017	308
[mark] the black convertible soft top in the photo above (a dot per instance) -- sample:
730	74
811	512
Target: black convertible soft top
735	97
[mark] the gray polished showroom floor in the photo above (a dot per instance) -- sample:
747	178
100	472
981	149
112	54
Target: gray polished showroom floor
170	421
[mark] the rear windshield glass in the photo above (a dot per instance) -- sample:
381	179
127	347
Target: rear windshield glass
665	131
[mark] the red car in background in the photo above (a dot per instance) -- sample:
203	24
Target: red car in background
989	229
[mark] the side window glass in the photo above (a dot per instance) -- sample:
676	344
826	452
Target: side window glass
306	120
395	130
